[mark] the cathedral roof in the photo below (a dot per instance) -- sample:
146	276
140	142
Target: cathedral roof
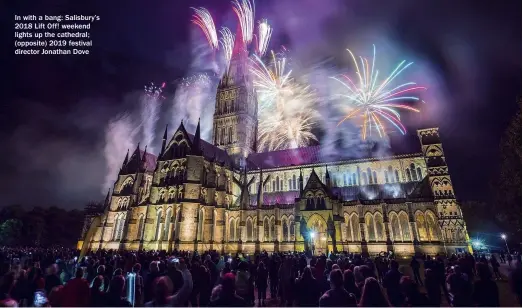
383	191
318	154
212	152
150	161
352	193
139	162
280	197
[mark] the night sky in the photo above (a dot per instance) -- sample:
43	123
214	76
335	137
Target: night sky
54	109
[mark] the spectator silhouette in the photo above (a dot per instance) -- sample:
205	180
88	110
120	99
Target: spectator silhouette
227	295
485	289
337	296
372	295
391	282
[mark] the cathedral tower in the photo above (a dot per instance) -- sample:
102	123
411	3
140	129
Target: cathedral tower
235	113
450	219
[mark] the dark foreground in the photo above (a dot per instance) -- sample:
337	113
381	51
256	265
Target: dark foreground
56	277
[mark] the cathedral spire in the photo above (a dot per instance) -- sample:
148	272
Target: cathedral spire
196	150
239	45
144	153
255	143
164	141
107	198
126	160
327	177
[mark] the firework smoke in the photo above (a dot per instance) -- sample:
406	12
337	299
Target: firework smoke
194	99
119	137
150	107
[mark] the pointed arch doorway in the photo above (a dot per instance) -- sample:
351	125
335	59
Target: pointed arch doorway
319	237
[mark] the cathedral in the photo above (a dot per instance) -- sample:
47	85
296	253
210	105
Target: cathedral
224	195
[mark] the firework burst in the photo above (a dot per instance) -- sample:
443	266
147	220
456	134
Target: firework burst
376	102
245	13
204	20
285	107
154	91
263	38
227	42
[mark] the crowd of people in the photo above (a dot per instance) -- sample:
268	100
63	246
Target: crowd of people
60	277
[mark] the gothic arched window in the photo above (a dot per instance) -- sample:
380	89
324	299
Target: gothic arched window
413	172
421	225
395	226
116	228
266	230
396	173
418	171
432	226
167	224
273	230
354	179
294	181
177	219
255	229
141	222
249	229
355	227
232	230
158	226
380	227
409	178
310	203
375	177
364	178
285	228
369	174
238	232
291	228
277	183
201	219
404	223
369	224
386	174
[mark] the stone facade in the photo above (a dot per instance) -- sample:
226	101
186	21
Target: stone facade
191	199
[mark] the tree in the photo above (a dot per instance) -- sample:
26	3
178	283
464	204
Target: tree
10	232
507	187
94	208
